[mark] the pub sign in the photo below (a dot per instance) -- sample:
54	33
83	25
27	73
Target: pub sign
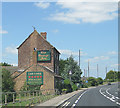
43	56
34	78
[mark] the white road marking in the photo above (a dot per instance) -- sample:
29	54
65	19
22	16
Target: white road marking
113	97
118	103
111	94
73	105
112	100
67	103
78	99
108	92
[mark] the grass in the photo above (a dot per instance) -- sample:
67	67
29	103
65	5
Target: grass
26	101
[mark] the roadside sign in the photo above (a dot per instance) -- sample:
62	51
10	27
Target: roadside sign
34	78
43	56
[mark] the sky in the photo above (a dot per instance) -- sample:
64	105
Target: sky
91	27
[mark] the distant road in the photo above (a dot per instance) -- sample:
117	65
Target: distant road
106	95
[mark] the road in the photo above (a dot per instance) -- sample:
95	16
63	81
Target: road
106	95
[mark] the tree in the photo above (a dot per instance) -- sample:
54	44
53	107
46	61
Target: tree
67	85
99	80
7	83
92	81
5	64
62	65
71	65
112	75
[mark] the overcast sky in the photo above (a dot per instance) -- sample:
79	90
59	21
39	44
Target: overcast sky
70	26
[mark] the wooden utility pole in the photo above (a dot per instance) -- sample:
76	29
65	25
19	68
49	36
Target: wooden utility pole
79	58
88	69
84	73
97	71
106	71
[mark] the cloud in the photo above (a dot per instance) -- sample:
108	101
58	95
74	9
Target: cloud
55	31
3	31
87	12
14	64
11	50
112	53
42	5
96	59
114	65
69	52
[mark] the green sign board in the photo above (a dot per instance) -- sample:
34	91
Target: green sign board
34	78
43	55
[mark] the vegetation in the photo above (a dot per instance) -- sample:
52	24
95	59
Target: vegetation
71	65
5	64
71	72
99	80
112	76
67	85
92	81
7	84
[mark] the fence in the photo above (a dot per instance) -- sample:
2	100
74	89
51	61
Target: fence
27	98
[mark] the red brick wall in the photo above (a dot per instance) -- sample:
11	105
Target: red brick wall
48	78
25	52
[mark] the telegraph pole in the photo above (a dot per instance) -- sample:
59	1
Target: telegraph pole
79	58
88	68
84	73
114	74
97	71
106	71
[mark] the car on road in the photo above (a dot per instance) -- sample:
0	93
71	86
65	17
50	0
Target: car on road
109	83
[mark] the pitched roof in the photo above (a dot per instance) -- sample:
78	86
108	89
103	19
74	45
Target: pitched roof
46	68
12	69
42	38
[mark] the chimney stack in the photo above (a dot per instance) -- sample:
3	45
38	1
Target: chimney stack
44	35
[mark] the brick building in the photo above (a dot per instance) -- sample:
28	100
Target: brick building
36	54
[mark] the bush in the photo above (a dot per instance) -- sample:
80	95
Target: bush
67	85
85	85
92	81
100	80
7	85
74	87
64	90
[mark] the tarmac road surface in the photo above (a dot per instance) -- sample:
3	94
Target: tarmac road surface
106	95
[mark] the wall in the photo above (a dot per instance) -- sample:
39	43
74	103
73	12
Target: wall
26	50
48	80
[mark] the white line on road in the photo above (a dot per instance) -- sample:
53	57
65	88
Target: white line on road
111	94
113	97
78	99
67	103
73	105
118	103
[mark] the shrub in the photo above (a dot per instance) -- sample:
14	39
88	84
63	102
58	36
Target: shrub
67	85
64	90
92	81
99	80
7	85
74	87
